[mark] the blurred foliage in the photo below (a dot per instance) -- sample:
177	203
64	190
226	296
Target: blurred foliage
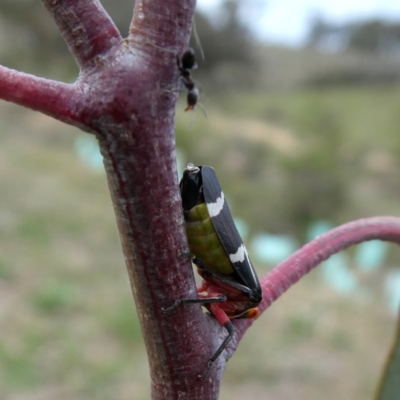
376	41
37	46
373	36
228	48
301	157
34	38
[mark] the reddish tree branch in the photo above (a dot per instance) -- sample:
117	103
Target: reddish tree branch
86	28
278	280
127	102
153	13
56	99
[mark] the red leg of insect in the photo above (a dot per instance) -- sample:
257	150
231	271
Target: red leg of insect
213	298
221	317
224	320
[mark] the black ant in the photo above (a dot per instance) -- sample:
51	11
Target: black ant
185	64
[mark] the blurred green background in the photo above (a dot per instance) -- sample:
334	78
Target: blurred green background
301	138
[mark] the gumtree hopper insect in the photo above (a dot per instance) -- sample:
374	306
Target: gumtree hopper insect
230	287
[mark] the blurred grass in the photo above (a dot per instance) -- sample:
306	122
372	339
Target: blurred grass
68	325
69	328
304	156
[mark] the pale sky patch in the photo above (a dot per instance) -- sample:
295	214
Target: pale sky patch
287	21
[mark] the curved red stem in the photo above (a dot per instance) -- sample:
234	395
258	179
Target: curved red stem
278	280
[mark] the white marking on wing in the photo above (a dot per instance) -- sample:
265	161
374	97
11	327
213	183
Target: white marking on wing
239	255
215	208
